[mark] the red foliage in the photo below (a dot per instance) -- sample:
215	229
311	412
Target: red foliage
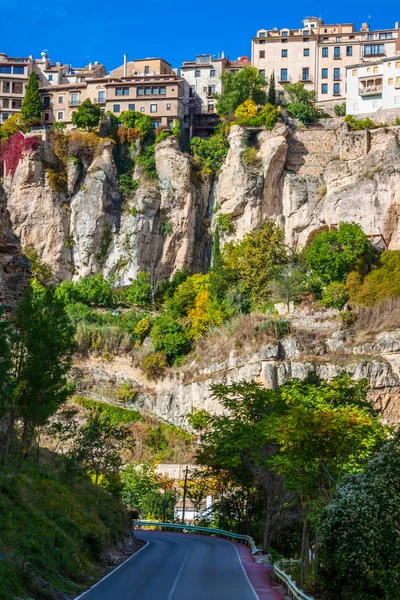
13	149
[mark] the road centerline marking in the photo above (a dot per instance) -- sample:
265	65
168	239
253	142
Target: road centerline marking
177	577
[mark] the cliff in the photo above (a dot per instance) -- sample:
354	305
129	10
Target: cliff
301	178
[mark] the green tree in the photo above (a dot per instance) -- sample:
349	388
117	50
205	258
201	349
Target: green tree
138	480
209	154
87	116
31	109
333	254
301	102
136	120
94	290
42	344
247	84
257	259
39	268
97	446
170	337
272	90
158	506
139	292
290	282
359	532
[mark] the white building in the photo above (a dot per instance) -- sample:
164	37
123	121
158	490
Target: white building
193	511
373	86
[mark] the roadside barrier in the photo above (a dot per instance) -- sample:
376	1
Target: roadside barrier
211	531
294	592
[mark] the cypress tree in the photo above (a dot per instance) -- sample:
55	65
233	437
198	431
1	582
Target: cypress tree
32	105
272	90
216	260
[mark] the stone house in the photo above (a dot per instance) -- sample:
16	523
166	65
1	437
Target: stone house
193	511
317	54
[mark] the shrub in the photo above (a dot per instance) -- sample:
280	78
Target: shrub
305	113
247	84
224	222
116	414
185	294
335	295
209	153
167	227
396	122
176	129
276	328
359	124
383	281
340	109
170	337
250	156
12	150
139	292
147	159
13	124
127	185
95	291
198	419
154	365
269	115
139	121
163	135
246	110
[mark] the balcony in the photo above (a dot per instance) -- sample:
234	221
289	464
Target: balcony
304	78
99	101
370	87
74	103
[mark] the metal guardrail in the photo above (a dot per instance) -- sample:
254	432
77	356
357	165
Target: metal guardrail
294	591
238	536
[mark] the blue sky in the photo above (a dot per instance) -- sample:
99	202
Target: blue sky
79	31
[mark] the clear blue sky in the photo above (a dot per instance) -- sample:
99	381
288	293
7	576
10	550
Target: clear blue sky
79	31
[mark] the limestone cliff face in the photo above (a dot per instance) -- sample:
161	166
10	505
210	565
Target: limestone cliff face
14	268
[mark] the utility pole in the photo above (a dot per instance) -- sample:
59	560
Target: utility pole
184	495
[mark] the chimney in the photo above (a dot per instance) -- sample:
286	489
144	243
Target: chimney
396	25
222	54
90	66
125	62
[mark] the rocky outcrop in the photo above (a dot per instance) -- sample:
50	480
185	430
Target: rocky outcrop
14	268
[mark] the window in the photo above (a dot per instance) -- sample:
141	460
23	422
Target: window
6	103
398	65
305	40
325	39
101	96
46	117
324	88
349	50
354	72
4	117
74	99
117	108
211	90
306	51
389	65
18	70
46	102
262	42
374	49
370	36
385	36
197	73
147	91
284	76
168	107
210	108
262	34
163	91
306	74
324	52
397	80
284	41
336	89
50	77
142	109
285	33
153	108
5	69
306	32
60	116
212	73
192	91
262	54
122	91
18	87
156	124
284	53
352	37
376	69
336	73
60	99
131	107
390	81
140	91
324	74
154	91
339	38
336	52
6	87
146	70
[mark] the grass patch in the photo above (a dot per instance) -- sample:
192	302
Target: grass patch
116	414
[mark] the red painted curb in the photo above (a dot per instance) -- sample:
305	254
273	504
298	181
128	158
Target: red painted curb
258	575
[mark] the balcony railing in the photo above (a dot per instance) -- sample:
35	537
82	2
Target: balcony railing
73	103
98	101
370	90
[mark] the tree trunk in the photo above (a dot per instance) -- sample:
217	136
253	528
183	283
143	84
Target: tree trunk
10	433
305	551
23	443
267	536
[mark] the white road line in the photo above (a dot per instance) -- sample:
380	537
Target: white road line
177	577
243	569
112	572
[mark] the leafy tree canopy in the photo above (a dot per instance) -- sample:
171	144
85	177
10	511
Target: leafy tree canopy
247	84
87	116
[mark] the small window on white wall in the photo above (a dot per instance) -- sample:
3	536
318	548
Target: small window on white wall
397	99
375	104
355	106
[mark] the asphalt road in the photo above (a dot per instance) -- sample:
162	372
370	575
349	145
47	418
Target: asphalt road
175	566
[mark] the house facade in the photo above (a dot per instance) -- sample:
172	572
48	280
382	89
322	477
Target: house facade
318	54
14	75
373	86
193	511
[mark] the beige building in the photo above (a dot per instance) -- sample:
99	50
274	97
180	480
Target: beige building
160	94
14	75
317	54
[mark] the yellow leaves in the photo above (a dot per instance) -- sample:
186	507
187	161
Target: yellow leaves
206	312
246	110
